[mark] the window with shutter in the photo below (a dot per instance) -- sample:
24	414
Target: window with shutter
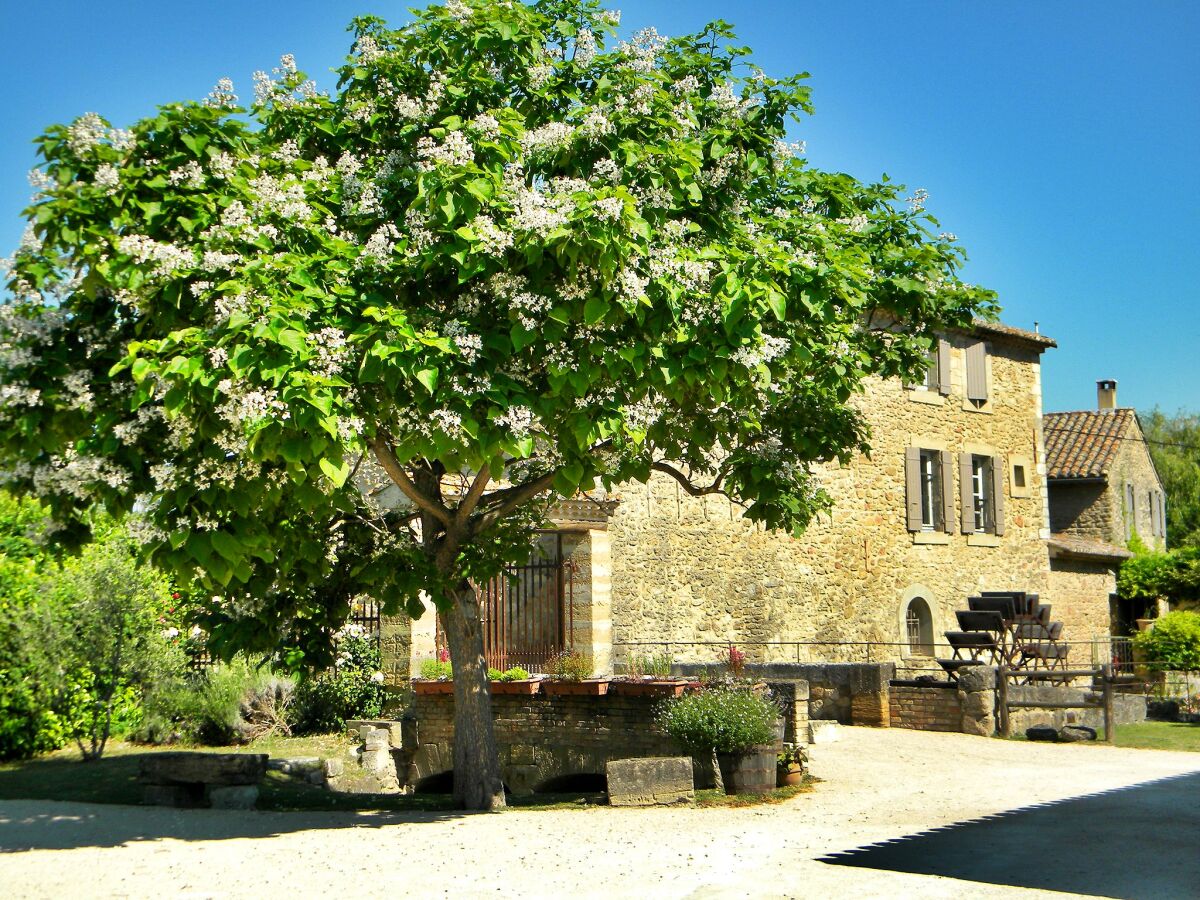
912	488
943	368
976	355
947	491
997	464
1130	510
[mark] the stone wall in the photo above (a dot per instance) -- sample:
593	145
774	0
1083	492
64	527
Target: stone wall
693	570
1133	464
831	688
1083	509
1081	590
966	706
926	707
1127	708
540	738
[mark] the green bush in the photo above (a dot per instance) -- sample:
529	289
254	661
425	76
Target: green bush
353	690
437	670
570	665
516	673
1173	644
719	719
96	638
231	703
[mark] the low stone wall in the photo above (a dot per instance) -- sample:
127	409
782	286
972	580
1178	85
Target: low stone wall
540	738
1127	708
966	706
849	693
925	707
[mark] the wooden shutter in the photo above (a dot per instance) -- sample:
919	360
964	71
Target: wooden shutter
1162	512
943	367
948	491
964	493
1152	503
912	487
977	371
1130	510
998	493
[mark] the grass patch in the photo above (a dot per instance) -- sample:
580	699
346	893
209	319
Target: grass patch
1160	736
779	795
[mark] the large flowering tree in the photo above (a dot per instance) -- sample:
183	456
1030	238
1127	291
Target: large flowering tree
505	262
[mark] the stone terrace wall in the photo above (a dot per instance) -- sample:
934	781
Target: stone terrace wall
540	737
926	708
1127	708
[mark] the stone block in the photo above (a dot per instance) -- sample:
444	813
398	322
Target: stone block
978	705
202	768
242	796
982	727
655	781
822	731
334	767
974	679
1073	733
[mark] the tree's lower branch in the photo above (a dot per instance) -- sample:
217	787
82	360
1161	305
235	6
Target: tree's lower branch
391	465
471	500
510	498
686	483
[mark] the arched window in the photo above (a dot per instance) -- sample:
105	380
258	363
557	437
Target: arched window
918	622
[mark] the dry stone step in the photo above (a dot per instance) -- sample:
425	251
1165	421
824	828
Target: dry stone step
656	781
181	768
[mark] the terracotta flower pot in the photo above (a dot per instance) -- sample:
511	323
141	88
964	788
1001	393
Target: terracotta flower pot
789	776
421	686
524	687
588	687
651	688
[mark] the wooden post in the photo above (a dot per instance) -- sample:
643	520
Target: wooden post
1107	675
1002	701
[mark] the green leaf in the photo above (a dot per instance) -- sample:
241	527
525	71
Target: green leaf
429	378
594	310
292	339
227	545
778	304
335	472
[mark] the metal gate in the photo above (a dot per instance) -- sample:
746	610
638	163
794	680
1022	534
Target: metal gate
528	613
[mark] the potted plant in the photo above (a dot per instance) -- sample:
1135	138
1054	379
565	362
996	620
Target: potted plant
733	729
650	676
569	673
514	680
437	676
791	764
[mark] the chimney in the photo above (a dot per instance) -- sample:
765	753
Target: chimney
1106	394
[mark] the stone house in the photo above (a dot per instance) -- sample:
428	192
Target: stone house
1104	494
953	499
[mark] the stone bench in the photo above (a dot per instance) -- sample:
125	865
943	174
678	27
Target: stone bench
219	780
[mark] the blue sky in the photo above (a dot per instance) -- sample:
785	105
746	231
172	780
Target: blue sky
1060	141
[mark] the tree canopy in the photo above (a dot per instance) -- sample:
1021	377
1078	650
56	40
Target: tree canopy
1174	443
509	259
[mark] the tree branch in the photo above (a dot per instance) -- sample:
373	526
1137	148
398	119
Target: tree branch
714	488
512	498
396	472
471	500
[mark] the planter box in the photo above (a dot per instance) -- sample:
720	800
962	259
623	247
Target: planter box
433	687
589	687
652	688
525	687
751	772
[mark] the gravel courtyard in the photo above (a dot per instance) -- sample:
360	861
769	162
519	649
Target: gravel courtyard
878	785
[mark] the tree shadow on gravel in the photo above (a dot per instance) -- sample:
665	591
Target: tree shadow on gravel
96	805
1133	842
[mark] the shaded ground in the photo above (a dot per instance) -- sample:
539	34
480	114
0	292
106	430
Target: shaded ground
878	785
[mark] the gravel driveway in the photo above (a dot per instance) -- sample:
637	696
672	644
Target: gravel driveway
879	785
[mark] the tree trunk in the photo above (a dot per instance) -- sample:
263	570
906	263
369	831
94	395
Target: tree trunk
477	783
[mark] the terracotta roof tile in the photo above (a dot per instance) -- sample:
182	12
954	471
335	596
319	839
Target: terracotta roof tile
1083	444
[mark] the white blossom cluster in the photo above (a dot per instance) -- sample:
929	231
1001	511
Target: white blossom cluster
455	150
772	348
166	259
493	239
86	133
108	178
458	10
642	50
244	406
222	95
516	419
331	352
189	175
918	200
